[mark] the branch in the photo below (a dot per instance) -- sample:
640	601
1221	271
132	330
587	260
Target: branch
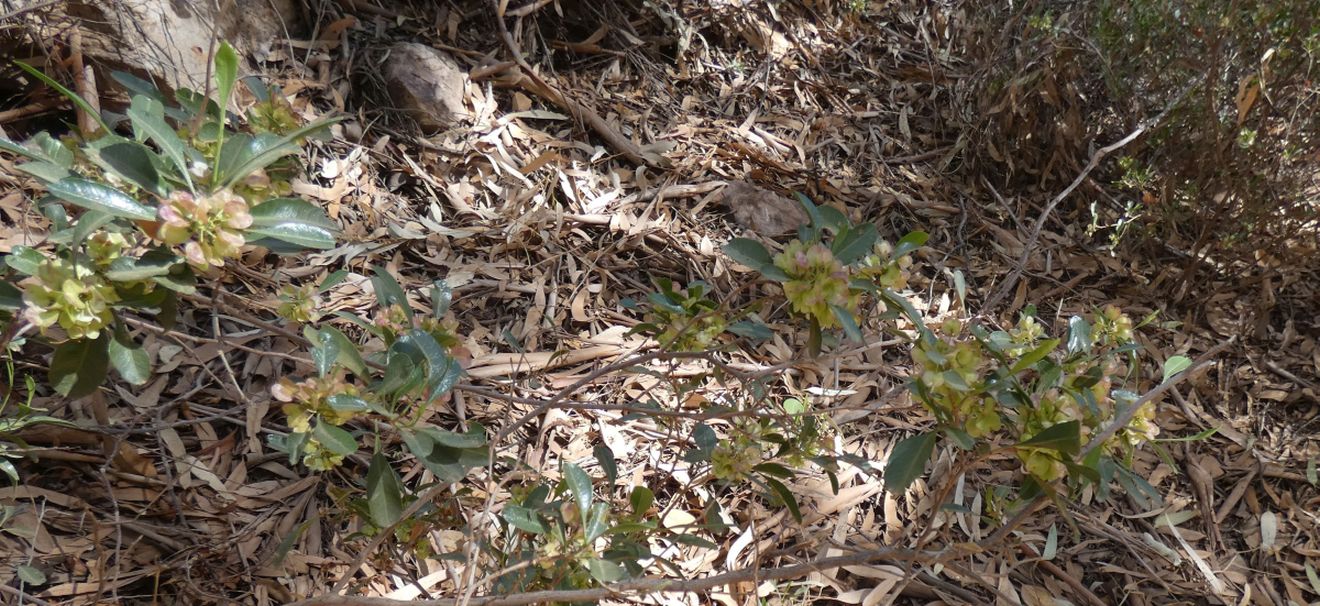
1099	155
646	585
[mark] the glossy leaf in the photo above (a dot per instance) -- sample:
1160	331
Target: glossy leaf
908	461
245	154
11	298
148	118
1079	335
128	269
131	161
579	484
474	438
95	196
848	322
1064	437
294	221
25	260
349	356
79	367
335	439
442	296
384	492
597	521
605	457
388	291
325	352
342	402
226	74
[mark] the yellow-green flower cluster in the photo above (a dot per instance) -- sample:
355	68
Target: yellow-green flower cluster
733	459
210	228
1112	327
299	303
882	268
311	398
71	294
684	333
106	246
950	368
817	280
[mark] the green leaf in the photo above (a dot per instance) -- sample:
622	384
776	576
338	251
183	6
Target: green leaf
641	500
908	460
332	280
910	242
79	367
579	484
94	196
30	574
19	150
857	243
245	154
11	298
786	496
45	171
72	96
349	356
474	438
419	443
25	260
748	252
442	370
294	221
384	492
128	269
604	571
148	118
138	87
693	540
1030	358
1063	437
342	402
813	213
1175	365
774	469
335	439
388	291
452	464
900	301
605	457
832	219
325	352
130	161
523	519
129	359
1079	335
597	521
226	74
848	322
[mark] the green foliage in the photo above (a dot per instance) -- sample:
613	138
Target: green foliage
138	219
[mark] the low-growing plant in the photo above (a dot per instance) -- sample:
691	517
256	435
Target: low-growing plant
137	218
825	282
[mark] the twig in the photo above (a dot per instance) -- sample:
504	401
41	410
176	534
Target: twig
533	83
27	9
10	115
1122	420
84	81
1091	165
647	585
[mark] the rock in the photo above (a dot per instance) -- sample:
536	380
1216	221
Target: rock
166	40
763	211
427	84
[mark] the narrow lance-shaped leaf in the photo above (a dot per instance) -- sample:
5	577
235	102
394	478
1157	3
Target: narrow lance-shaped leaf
70	95
1063	437
294	221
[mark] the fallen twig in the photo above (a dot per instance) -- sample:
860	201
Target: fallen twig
1099	155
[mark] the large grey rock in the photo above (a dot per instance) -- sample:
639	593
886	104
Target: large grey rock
427	84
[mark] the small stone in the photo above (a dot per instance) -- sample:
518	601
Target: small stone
762	211
427	84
